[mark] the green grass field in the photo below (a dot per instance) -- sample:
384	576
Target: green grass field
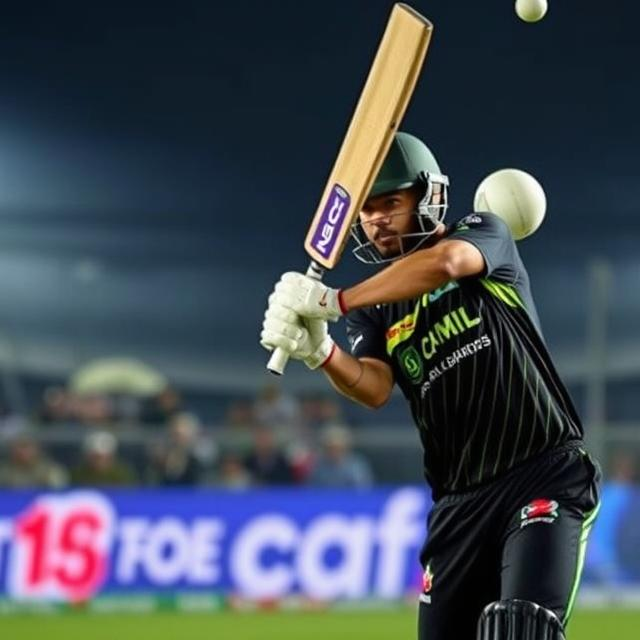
360	625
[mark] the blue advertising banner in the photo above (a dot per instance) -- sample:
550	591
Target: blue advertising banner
71	546
261	545
613	554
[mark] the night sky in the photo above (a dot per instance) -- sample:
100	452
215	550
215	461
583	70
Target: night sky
159	162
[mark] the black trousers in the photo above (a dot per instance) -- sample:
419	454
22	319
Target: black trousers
522	536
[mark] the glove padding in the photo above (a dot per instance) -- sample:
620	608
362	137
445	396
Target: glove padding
307	297
305	339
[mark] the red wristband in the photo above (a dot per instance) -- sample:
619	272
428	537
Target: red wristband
333	349
341	304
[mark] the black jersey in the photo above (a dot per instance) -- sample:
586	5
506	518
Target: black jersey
471	360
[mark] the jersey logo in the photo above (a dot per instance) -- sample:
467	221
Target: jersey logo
401	330
356	341
471	219
427	585
437	293
411	364
540	510
427	580
455	323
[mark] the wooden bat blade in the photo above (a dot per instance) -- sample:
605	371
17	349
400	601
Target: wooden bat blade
379	111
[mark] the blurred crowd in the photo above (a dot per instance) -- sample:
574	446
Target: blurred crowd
120	440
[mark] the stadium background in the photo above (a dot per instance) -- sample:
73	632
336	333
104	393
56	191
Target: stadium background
158	166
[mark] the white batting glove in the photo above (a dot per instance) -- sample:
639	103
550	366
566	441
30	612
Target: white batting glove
305	339
308	297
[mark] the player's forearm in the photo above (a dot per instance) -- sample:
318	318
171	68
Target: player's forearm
357	380
407	278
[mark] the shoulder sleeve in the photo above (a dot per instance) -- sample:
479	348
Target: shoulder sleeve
366	334
492	237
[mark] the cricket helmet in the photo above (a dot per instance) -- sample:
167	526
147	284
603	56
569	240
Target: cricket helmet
409	163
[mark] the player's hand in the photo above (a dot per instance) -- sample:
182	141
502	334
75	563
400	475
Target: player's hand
308	297
305	339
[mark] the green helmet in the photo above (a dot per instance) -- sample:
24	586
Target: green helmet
407	159
408	163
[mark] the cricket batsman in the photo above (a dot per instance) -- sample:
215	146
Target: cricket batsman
451	320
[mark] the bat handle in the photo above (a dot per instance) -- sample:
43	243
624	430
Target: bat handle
278	361
279	357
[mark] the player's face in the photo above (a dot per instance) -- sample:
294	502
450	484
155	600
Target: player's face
386	218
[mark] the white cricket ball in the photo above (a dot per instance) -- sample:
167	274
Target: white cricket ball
531	10
514	195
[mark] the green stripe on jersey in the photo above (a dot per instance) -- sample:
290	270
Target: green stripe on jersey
504	292
582	550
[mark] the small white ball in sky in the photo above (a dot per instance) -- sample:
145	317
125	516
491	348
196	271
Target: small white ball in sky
514	195
531	10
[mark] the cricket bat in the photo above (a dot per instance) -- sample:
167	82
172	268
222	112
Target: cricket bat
379	111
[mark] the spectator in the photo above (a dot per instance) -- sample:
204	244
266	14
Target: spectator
91	409
100	467
64	407
55	406
239	422
176	463
301	459
28	467
320	410
162	407
278	411
337	465
266	463
240	416
232	473
11	425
